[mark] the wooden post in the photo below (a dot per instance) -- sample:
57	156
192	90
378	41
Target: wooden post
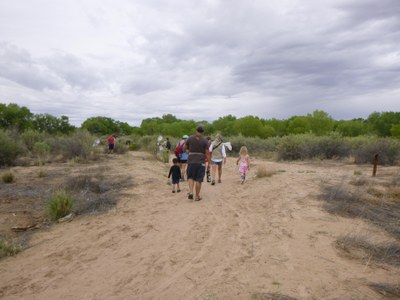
375	164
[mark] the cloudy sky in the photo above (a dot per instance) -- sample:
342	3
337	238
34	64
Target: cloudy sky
135	59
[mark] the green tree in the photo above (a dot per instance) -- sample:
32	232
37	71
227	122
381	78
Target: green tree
101	126
225	125
12	115
249	126
50	124
279	126
381	123
320	122
395	130
351	128
298	125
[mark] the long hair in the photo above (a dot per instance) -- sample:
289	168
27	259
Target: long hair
243	151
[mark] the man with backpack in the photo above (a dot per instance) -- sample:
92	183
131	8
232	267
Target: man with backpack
197	145
181	155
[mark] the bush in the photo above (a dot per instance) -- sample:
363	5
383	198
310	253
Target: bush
60	205
9	248
79	144
31	137
8	177
365	148
9	149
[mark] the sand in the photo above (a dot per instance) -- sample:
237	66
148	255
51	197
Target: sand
269	236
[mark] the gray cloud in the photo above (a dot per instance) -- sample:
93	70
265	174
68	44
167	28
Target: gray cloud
132	60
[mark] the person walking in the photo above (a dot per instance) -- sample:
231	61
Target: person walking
218	157
111	143
197	147
175	171
244	163
182	155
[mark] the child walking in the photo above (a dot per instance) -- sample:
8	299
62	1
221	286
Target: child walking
175	171
244	163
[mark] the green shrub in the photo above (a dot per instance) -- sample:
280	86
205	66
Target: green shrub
8	177
79	144
365	148
120	148
60	204
41	149
30	137
42	174
9	248
9	149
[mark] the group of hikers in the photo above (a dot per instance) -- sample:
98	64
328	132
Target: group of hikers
196	156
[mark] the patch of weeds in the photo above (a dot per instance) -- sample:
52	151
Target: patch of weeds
42	174
360	181
208	297
358	247
263	172
357	173
9	248
390	291
60	204
84	183
341	200
270	296
95	204
8	177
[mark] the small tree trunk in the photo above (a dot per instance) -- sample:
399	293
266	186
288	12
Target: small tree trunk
375	165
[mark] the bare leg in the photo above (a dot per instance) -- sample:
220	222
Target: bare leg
191	185
219	172
198	188
213	171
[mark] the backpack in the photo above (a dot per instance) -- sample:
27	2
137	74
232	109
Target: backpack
179	149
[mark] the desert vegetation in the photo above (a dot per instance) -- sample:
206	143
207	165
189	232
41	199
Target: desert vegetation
377	201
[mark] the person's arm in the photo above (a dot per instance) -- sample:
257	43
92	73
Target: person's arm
248	162
237	161
170	171
223	153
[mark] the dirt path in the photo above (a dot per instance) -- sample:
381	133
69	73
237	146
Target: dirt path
248	241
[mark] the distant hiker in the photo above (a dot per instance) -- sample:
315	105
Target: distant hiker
207	162
168	145
197	146
175	171
182	155
244	163
218	156
111	143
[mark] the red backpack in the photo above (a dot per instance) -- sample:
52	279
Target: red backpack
179	149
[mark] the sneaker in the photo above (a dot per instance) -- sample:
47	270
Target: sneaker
173	191
219	181
178	191
213	182
190	196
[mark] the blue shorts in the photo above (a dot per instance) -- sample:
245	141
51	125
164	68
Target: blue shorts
175	181
196	172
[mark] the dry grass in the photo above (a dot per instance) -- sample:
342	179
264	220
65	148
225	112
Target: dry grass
9	247
271	296
390	291
94	191
262	171
8	177
372	203
361	248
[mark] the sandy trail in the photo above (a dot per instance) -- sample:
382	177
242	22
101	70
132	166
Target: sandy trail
269	235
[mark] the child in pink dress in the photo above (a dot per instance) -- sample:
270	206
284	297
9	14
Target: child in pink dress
244	163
